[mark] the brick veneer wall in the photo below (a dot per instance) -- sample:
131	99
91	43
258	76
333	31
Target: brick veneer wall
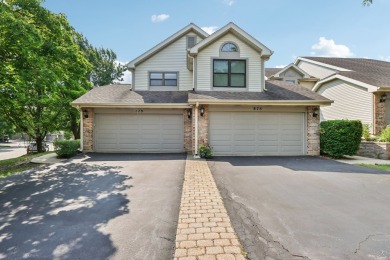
313	132
203	127
188	132
88	130
379	114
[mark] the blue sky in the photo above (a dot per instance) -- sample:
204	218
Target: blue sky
290	28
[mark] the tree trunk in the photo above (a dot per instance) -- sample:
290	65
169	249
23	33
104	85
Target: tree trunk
39	141
74	126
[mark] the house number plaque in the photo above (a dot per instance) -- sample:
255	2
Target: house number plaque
139	110
257	108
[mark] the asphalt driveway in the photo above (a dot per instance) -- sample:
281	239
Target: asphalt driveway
100	206
306	207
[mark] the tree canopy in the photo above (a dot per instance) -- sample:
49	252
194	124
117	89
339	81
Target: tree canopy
41	65
367	2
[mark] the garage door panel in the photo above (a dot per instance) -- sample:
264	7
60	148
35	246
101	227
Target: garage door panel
264	133
139	133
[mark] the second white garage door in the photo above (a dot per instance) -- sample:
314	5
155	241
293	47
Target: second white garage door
266	133
139	133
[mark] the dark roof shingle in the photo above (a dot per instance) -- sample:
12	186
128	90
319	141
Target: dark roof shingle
373	72
271	71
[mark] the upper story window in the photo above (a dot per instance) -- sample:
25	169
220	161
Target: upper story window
229	73
163	79
229	47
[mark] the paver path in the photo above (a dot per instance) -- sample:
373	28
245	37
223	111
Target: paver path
204	230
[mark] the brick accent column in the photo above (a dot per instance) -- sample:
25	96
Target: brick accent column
313	132
188	133
379	113
203	127
88	130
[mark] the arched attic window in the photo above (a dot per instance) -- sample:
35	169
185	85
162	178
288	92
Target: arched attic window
229	47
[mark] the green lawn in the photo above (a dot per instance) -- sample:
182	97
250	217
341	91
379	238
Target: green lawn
383	167
19	164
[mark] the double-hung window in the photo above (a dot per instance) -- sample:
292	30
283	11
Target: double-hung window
229	73
163	79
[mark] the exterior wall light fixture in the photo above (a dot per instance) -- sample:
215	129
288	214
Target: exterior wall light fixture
315	112
383	98
201	110
85	114
189	113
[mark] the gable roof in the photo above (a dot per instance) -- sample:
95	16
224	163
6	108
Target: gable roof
237	31
375	73
271	71
189	28
294	67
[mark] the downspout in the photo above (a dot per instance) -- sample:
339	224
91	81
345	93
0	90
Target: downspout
196	156
81	130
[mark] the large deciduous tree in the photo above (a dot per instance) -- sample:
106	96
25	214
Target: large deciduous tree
41	67
367	2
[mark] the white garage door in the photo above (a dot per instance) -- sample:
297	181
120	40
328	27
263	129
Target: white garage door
140	133
265	133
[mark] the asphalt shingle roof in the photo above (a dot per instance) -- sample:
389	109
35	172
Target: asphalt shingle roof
122	95
373	72
271	71
276	90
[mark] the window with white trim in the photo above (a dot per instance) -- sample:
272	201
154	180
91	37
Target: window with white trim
163	79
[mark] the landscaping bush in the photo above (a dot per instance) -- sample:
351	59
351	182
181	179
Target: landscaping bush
66	148
385	135
366	132
340	137
205	151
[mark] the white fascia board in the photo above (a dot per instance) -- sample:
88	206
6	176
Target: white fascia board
292	65
263	102
320	64
264	50
114	105
370	88
165	43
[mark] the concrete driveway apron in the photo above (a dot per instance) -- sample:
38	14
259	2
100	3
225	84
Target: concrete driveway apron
305	207
99	206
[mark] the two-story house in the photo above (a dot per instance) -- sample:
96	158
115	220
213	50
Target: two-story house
193	89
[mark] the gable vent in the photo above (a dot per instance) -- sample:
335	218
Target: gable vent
191	41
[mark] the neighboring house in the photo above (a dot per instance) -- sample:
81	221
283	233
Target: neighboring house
193	89
292	74
359	88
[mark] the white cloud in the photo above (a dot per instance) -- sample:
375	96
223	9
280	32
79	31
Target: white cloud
280	66
229	2
328	48
158	18
384	58
210	29
127	76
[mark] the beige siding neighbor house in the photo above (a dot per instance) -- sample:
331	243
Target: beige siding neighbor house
359	88
197	89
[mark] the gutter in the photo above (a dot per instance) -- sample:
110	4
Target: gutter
113	105
262	102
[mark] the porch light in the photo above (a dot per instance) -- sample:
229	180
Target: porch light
189	113
315	112
383	98
201	110
85	114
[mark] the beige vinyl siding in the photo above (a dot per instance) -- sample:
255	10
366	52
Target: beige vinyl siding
315	70
291	74
171	59
204	64
350	102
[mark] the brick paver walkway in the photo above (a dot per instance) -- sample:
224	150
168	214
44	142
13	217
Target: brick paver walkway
204	230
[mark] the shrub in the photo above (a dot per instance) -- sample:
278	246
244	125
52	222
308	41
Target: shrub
385	135
340	137
205	151
366	132
66	148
